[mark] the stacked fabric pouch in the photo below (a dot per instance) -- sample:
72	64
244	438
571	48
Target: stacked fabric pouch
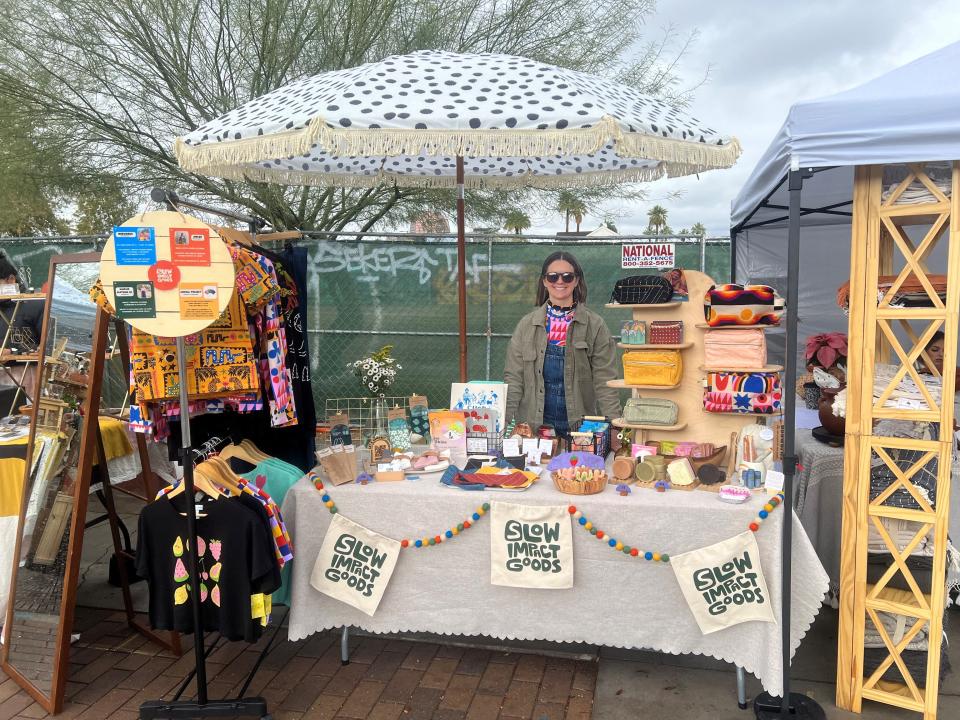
662	368
650	411
732	304
738	349
756	393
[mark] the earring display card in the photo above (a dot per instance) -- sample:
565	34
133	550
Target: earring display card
419	418
398	429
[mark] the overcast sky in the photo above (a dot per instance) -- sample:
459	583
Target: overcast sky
766	55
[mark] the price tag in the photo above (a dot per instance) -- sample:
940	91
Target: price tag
774	481
530	446
511	447
546	446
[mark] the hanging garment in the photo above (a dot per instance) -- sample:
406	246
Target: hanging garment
235	557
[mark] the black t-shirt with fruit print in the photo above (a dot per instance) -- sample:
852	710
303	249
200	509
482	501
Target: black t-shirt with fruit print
237	560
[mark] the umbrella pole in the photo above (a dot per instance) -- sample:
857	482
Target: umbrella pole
461	270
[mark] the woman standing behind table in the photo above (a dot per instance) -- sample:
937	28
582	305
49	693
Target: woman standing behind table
561	355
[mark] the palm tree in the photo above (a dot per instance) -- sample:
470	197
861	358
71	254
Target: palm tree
656	220
570	204
516	220
698	230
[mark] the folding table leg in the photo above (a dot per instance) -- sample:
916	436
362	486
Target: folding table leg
344	650
741	688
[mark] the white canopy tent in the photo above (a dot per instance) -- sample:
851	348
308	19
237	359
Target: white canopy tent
791	222
910	114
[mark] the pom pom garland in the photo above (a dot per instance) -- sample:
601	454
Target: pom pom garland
406	543
661	557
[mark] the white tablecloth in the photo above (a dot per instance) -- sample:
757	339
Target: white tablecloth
616	601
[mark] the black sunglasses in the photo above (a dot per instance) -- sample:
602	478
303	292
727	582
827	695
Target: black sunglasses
566	277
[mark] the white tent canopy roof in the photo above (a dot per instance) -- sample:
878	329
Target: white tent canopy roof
910	114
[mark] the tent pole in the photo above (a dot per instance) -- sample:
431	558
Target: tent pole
794	705
461	270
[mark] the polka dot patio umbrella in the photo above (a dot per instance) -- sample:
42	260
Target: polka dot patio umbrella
436	119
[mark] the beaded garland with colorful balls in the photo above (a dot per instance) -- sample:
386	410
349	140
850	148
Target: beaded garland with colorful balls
578	516
427	541
663	557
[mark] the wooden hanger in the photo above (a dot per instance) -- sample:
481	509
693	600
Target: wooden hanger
201	482
241	452
222	475
254	450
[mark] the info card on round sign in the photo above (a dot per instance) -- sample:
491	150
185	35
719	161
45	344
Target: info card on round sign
166	273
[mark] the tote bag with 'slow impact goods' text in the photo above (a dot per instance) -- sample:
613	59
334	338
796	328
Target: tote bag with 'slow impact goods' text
531	546
355	564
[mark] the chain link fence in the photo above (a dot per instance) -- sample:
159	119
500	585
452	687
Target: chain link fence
370	290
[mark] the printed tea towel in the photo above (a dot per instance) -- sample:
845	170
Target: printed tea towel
530	546
354	564
723	583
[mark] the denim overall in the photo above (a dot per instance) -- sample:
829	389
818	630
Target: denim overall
555	399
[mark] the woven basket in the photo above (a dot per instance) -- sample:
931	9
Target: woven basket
573	487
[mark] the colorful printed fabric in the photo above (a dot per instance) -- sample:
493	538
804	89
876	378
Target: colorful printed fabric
558	325
270	327
256	284
742	392
219	360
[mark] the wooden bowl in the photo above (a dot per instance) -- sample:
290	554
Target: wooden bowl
716	458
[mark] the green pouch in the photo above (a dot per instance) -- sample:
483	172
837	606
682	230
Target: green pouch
650	411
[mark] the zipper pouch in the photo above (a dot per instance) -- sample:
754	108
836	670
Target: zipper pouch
742	392
735	349
746	305
650	411
665	332
662	368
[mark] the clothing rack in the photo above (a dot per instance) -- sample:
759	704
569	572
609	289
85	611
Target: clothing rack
255	707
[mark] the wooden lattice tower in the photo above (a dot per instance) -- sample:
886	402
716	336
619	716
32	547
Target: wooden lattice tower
883	229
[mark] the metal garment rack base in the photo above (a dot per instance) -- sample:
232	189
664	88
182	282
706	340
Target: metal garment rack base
255	707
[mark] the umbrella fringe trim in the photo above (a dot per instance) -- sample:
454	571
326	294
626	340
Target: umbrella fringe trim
390	142
294	177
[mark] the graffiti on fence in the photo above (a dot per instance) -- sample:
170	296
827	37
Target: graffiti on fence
369	263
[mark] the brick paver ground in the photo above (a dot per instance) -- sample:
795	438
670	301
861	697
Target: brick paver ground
113	670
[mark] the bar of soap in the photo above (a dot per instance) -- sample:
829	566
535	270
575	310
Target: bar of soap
680	472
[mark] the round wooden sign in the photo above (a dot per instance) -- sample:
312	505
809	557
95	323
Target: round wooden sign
166	273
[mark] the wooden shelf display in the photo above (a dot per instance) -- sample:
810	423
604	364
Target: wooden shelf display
764	369
693	423
621	384
654	306
651	346
621	423
878	236
704	326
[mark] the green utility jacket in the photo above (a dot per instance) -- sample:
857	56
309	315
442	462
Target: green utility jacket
591	360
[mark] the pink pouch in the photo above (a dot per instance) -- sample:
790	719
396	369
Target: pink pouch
739	349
